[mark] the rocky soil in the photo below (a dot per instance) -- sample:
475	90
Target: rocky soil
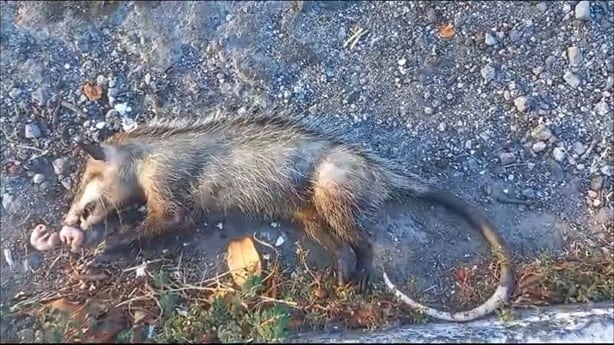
507	104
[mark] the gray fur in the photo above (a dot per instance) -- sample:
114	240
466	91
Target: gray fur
270	166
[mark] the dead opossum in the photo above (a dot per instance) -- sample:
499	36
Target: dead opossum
263	165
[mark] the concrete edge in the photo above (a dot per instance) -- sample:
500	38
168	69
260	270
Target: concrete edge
576	323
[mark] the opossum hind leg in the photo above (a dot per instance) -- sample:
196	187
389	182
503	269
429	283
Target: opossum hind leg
318	230
338	189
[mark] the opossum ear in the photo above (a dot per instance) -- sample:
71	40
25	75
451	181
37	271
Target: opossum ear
98	152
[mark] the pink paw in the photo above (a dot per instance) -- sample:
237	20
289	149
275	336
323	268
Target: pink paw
73	237
42	239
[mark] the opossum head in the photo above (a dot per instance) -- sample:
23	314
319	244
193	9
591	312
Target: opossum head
108	183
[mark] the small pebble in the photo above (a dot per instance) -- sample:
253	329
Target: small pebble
541	132
578	148
521	103
539	146
571	79
33	261
592	194
38	178
488	73
583	10
550	60
542	7
402	62
66	182
558	154
507	157
7	200
101	80
122	108
428	110
32	130
490	39
14	93
606	170
602	108
574	55
280	241
59	165
441	127
487	190
596	183
100	125
528	193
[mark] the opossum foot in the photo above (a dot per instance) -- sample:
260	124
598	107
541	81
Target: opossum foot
343	271
362	278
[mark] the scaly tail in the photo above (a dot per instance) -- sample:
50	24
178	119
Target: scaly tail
477	220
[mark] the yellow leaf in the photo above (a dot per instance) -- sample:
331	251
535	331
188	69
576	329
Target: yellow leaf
243	260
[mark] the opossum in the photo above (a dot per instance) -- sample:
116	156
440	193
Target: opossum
264	165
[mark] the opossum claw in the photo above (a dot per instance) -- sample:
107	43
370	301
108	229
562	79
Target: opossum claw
343	271
362	278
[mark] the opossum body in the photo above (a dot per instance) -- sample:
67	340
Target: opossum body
261	165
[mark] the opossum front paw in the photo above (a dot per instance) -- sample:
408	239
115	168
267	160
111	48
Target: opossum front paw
344	270
362	278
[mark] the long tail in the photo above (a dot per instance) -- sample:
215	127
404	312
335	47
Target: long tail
477	220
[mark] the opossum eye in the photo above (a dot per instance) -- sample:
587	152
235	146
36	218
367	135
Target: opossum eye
88	208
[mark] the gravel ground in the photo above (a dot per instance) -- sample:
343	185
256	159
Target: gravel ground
517	104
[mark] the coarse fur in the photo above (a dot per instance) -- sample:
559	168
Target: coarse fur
263	165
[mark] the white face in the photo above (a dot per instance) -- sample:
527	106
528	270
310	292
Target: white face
90	208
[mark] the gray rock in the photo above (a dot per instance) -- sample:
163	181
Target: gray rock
490	39
402	62
541	132
583	10
507	157
571	79
602	108
539	146
488	73
39	96
26	335
487	190
574	55
550	60
559	154
32	130
33	261
592	194
609	83
38	178
606	170
521	103
7	201
428	110
528	193
14	93
542	7
578	148
596	183
66	182
441	127
59	165
101	80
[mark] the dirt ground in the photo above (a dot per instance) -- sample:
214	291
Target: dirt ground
516	104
